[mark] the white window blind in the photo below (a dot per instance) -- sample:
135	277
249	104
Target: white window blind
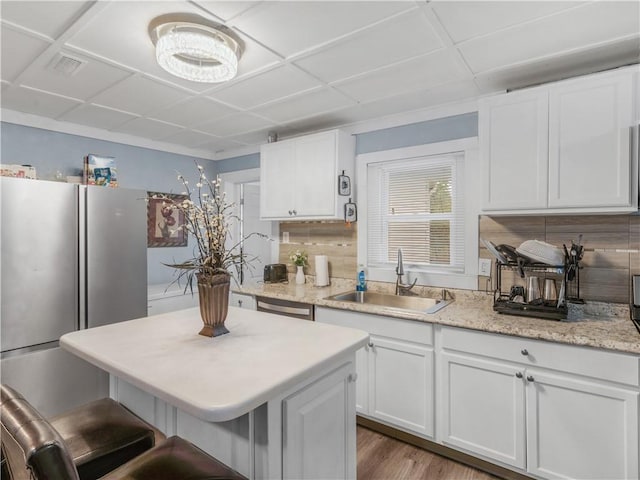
416	204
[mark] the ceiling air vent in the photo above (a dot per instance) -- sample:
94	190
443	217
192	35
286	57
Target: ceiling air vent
66	65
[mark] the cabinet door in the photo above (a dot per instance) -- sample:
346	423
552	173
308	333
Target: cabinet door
319	429
589	142
483	404
513	132
316	179
362	382
242	301
580	429
401	384
277	179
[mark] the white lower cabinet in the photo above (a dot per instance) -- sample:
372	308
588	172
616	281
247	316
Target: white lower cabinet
483	408
548	409
319	429
395	382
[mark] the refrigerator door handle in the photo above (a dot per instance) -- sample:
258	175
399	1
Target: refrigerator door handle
82	258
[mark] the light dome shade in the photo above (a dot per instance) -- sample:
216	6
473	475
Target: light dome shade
195	52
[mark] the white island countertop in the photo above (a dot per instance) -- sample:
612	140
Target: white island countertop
214	379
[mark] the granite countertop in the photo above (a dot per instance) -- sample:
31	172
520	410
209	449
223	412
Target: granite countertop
283	352
595	324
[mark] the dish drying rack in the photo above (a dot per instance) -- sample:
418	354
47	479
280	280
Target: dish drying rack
550	310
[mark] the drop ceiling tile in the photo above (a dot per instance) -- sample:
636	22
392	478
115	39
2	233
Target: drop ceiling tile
572	64
468	19
416	74
190	138
235	125
399	39
259	137
220	145
32	101
577	28
265	87
226	10
305	105
146	128
139	95
17	51
193	112
90	79
47	18
418	100
293	27
130	44
97	116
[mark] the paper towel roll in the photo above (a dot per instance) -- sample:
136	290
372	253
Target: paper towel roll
322	270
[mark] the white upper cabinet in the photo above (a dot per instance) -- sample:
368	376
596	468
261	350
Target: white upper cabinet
589	142
561	148
299	177
514	153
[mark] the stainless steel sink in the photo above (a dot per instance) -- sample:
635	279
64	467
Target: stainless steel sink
395	302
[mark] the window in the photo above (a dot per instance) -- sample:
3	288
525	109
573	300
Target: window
417	204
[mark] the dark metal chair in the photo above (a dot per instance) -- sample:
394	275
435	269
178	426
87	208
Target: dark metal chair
35	450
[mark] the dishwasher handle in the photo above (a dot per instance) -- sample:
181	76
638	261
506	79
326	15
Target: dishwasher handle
284	307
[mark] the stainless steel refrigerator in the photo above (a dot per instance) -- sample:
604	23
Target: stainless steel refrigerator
73	257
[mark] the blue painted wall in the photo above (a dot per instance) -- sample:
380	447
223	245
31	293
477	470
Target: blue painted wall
140	168
430	131
155	170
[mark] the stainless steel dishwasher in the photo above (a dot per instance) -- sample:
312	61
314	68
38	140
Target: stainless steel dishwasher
303	311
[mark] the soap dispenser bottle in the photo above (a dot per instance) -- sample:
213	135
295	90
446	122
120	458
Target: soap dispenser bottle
361	284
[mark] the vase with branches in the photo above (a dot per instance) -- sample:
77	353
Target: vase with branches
207	220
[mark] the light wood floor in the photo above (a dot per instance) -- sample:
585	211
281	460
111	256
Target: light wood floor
384	458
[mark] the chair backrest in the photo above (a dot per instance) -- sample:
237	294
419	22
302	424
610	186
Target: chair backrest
32	447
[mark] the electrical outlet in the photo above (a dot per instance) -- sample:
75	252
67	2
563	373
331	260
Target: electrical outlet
484	267
285	237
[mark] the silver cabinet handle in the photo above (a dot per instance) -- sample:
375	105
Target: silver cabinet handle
290	212
524	352
240	303
370	345
352	377
530	378
518	374
295	213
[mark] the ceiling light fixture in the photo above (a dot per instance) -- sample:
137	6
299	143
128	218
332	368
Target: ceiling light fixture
192	48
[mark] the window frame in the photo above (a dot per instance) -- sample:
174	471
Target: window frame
427	275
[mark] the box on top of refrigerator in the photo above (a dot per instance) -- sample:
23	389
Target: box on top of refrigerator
18	171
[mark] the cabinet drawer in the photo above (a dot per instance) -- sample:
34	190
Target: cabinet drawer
590	362
408	330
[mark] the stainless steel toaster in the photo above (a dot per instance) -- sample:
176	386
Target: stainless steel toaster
275	273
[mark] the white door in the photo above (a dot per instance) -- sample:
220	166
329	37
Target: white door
513	132
316	175
256	247
362	382
580	429
277	177
589	139
319	430
483	405
401	384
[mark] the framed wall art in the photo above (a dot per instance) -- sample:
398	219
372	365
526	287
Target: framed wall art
163	221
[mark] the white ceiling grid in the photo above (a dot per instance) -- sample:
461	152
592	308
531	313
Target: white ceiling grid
306	65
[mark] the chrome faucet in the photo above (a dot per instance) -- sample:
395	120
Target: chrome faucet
401	287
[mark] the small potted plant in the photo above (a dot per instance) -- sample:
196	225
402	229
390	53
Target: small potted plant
299	259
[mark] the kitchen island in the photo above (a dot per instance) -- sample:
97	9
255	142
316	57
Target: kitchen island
275	398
